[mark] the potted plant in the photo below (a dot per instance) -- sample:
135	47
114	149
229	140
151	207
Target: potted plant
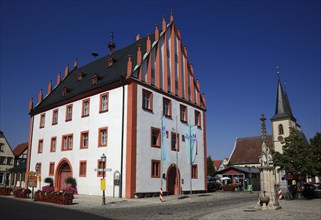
71	186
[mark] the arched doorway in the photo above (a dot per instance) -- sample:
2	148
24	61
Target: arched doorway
173	180
63	171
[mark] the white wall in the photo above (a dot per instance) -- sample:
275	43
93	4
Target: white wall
111	119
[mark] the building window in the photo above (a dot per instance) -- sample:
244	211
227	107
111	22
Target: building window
102	139
67	142
85	108
69	112
155	169
55	117
155	137
194	171
39	168
84	140
147	100
281	131
183	113
183	138
40	146
53	144
174	141
103	107
52	168
82	168
167	107
198	118
102	168
42	120
1	147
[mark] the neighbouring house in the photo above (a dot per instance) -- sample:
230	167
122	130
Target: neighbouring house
218	164
18	172
114	106
6	161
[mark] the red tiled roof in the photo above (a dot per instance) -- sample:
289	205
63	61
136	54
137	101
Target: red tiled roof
247	150
20	148
217	163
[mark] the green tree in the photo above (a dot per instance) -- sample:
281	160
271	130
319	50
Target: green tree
211	171
315	147
296	156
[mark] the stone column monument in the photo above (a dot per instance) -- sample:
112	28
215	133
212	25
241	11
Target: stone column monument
268	198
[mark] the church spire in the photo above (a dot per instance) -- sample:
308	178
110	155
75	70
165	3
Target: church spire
282	108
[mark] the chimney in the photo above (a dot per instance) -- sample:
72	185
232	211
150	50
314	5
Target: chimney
138	37
49	87
129	65
139	55
75	63
163	24
30	104
40	96
156	32
58	79
66	70
148	44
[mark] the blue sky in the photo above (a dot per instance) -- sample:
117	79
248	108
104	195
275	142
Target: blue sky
234	47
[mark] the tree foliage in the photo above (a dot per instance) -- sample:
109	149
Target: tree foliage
299	158
211	171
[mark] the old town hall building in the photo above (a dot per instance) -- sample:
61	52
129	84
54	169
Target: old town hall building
114	106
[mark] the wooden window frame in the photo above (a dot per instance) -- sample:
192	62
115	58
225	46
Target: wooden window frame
150	98
194	171
185	117
67	115
155	170
158	144
83	110
42	120
51	168
100	144
101	110
169	113
82	139
68	137
198	120
40	146
51	144
177	141
83	168
54	119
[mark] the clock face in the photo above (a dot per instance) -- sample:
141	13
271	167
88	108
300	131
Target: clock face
280	138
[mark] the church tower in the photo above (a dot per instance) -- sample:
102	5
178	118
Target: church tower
283	118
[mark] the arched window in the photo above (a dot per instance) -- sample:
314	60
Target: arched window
281	129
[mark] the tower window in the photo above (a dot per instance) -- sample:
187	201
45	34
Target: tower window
281	131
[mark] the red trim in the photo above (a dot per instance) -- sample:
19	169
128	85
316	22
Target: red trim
51	146
172	59
106	94
81	139
131	141
100	130
68	137
67	107
52	169
82	168
155	169
83	108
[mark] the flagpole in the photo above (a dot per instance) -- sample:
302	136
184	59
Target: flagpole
177	179
161	165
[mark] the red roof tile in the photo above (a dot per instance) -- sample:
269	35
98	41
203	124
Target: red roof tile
20	148
247	150
217	163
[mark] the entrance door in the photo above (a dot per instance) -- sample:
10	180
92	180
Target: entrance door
64	174
173	180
